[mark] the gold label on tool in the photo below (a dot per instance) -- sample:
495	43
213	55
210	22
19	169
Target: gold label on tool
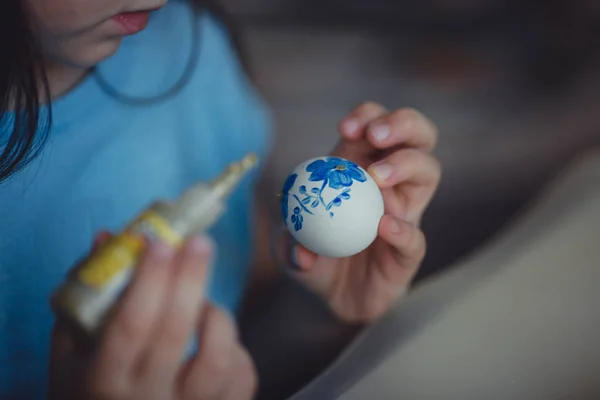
122	252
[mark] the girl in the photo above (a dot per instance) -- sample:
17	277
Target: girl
106	106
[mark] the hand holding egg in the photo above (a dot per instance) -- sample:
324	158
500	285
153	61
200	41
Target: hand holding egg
354	216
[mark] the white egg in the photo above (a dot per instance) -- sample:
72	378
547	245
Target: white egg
332	206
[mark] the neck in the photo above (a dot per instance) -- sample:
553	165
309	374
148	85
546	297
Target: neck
62	78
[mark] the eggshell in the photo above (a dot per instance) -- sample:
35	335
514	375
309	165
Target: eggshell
332	206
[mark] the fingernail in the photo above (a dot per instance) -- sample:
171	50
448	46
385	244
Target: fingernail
380	132
101	235
395	226
351	126
100	238
161	250
199	245
381	171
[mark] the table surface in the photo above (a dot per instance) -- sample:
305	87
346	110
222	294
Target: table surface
520	319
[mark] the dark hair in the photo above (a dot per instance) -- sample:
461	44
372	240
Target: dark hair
24	85
23	88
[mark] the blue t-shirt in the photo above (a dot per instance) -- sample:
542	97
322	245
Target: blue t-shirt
106	161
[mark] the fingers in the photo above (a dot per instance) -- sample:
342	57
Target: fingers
221	364
414	175
131	327
179	317
384	130
407	165
407	249
406	127
143	346
352	127
245	383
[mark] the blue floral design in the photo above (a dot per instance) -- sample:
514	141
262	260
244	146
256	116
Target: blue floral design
297	218
285	195
336	172
287	186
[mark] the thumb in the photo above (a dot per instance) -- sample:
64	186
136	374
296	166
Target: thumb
317	273
290	254
301	259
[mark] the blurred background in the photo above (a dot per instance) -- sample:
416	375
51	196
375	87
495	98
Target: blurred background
514	87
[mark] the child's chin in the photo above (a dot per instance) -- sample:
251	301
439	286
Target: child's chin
90	57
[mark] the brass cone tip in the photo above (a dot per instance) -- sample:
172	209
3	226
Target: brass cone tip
225	182
249	161
242	166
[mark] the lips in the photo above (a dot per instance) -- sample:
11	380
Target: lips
132	22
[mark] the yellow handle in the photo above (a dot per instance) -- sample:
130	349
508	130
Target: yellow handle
122	251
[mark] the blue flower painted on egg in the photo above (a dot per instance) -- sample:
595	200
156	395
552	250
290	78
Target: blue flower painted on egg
297	218
285	194
336	173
